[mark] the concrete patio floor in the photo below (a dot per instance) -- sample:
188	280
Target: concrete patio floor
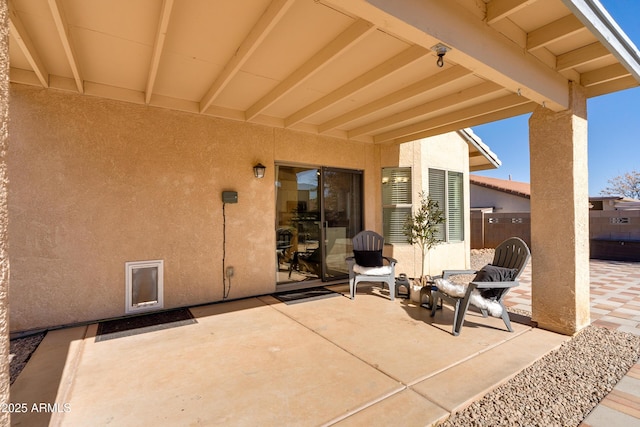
258	361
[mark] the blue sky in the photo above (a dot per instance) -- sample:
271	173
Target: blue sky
614	124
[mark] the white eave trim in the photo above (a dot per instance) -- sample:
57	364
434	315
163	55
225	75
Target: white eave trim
596	18
474	140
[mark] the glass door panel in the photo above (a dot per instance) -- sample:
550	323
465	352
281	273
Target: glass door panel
314	228
298	224
342	218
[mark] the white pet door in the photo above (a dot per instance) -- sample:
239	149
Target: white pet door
144	285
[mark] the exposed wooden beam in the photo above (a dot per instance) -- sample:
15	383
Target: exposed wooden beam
603	75
581	56
554	31
358	30
611	86
427	108
158	46
444	77
500	9
498	104
493	116
475	44
21	36
61	26
383	70
267	22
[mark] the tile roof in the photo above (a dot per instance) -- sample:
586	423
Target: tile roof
522	189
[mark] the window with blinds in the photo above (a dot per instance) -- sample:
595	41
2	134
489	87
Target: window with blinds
446	188
396	202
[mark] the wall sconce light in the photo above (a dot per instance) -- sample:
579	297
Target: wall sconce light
440	50
258	170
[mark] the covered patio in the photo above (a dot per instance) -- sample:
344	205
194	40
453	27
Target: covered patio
127	121
259	361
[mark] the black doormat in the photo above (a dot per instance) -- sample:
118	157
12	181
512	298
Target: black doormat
143	323
305	295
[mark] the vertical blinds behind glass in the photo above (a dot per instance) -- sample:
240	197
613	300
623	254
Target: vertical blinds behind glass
437	193
455	206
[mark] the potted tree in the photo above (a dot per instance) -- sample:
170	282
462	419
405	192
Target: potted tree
421	229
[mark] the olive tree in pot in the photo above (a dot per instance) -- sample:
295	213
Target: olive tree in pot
421	228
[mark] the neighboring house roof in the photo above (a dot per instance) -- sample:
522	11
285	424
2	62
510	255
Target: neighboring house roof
480	155
522	189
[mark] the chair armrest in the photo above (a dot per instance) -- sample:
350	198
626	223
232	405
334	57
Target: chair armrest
350	258
489	285
391	260
447	273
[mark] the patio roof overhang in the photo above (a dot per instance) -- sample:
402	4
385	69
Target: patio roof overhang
353	69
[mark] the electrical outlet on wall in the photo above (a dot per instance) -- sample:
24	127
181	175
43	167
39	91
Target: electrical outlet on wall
229	271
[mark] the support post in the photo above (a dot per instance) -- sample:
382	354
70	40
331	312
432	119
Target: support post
560	216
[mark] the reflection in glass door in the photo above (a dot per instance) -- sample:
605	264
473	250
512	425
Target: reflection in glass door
314	228
342	216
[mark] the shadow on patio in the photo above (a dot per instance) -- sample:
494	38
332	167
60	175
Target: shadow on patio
258	361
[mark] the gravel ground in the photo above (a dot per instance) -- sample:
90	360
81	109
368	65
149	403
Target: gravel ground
20	351
558	390
561	388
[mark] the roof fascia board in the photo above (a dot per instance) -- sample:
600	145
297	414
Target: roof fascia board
473	140
596	18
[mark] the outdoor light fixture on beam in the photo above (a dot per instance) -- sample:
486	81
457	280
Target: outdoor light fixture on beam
259	170
440	50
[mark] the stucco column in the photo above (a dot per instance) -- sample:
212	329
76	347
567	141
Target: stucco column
4	256
560	216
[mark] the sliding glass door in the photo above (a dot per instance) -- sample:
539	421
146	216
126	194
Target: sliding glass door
318	211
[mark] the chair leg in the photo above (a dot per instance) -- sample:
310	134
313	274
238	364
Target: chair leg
460	313
392	288
352	288
435	295
505	317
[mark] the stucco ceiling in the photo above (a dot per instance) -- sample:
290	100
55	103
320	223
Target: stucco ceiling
356	69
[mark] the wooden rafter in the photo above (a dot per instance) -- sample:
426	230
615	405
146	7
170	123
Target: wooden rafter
480	119
158	46
603	75
453	117
428	108
388	67
358	30
267	22
500	9
432	82
27	47
612	86
61	26
581	56
554	31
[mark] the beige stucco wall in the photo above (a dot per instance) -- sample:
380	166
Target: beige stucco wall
96	183
449	152
4	255
483	197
